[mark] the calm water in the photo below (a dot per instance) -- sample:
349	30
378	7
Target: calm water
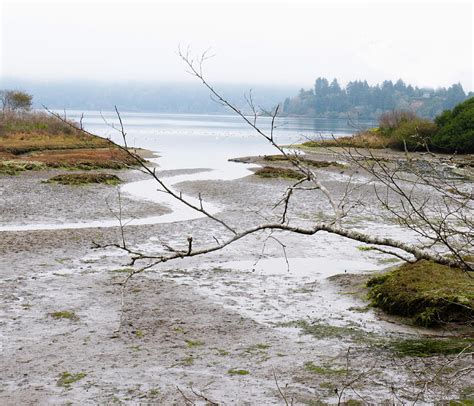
207	141
190	141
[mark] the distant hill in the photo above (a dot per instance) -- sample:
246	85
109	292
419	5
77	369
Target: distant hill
360	100
166	97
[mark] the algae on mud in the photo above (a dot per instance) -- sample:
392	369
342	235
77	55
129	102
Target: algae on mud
428	347
64	314
66	379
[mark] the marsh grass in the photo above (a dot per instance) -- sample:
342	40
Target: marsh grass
430	294
77	179
427	347
372	139
276	172
48	142
14	167
305	161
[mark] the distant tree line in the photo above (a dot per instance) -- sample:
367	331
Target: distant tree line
330	100
160	97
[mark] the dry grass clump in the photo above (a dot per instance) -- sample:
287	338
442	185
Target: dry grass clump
33	122
107	158
22	143
368	139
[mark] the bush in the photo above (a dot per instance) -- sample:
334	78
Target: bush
414	135
456	129
404	129
391	120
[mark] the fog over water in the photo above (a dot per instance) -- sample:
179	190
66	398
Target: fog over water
278	43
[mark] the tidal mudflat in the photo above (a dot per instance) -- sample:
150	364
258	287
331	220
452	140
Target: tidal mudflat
240	326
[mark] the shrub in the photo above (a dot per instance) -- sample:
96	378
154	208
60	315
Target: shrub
456	129
414	134
391	120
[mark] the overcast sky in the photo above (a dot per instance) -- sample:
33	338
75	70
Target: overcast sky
291	42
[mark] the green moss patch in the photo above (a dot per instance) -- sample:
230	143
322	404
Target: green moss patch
66	379
429	293
194	343
85	179
275	172
323	370
326	331
427	347
64	314
238	372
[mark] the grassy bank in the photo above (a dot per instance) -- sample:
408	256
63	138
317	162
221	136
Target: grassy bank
371	139
30	141
428	293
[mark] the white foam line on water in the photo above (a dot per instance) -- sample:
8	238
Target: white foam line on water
148	190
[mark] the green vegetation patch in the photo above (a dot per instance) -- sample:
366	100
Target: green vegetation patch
194	343
77	179
66	378
65	314
428	293
456	129
451	132
187	361
15	167
323	370
234	371
304	161
427	347
274	172
326	331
